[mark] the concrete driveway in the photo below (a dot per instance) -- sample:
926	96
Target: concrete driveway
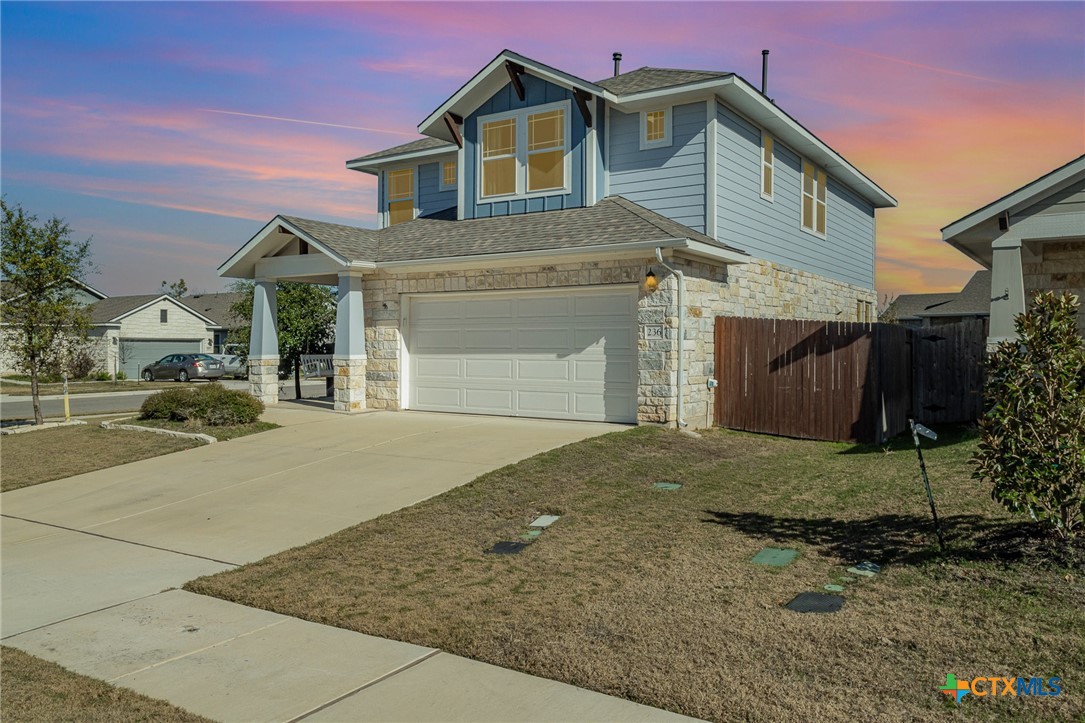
91	563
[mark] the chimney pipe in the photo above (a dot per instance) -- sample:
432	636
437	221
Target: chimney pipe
765	73
617	64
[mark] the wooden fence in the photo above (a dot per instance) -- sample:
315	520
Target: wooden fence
845	381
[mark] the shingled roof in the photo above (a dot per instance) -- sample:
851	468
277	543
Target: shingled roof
642	79
973	300
215	307
614	220
108	309
422	144
907	307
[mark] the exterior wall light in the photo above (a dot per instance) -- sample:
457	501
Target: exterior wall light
650	281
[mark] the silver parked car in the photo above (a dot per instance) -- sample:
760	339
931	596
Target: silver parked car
184	367
235	365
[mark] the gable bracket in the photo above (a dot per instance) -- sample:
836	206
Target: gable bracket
582	98
454	122
515	70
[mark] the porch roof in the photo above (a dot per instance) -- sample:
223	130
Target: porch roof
612	224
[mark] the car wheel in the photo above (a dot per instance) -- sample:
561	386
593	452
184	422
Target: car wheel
183	376
147	376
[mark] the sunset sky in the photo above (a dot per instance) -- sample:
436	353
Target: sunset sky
171	132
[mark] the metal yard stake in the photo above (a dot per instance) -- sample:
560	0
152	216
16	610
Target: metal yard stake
918	429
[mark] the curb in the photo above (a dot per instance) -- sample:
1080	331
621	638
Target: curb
207	438
38	427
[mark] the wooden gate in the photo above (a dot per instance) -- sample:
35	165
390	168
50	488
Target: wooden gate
947	371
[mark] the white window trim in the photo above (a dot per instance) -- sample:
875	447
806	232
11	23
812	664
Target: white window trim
521	115
771	164
813	231
668	123
388	196
441	185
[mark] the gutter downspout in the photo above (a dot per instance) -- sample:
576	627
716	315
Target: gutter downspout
681	333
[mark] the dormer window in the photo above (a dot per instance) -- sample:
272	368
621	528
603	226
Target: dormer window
400	196
448	175
655	128
525	152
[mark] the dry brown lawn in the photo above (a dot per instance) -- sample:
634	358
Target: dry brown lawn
649	594
37	691
222	432
35	457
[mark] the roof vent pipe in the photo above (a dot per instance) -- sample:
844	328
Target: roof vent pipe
617	64
765	73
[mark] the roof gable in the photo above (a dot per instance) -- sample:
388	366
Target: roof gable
116	308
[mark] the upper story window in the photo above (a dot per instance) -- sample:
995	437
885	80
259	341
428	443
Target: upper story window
813	198
655	128
768	160
448	175
525	152
163	316
400	196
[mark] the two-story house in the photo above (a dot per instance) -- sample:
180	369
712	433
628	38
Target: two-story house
554	247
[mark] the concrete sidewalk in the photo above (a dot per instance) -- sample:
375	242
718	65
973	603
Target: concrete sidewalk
89	563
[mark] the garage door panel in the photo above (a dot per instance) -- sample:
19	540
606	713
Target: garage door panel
488	369
542	403
551	370
138	353
489	401
447	367
602	305
544	307
492	339
444	398
561	355
548	340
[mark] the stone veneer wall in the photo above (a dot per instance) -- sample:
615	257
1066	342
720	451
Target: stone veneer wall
1062	269
755	289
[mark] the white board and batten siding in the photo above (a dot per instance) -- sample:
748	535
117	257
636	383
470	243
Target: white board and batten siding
568	354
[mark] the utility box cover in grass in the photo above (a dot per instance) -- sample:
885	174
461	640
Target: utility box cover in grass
544	521
775	556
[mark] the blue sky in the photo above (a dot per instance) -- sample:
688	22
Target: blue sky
137	122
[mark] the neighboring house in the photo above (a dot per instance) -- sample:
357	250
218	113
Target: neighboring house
971	302
1032	239
133	331
548	243
217	308
82	292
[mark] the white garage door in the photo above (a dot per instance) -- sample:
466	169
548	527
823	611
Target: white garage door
568	354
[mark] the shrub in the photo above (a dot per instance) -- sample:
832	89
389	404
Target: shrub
210	404
121	376
102	377
1032	437
81	364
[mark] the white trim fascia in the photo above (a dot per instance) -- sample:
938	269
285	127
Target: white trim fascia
287	267
709	251
270	228
88	288
608	132
461	199
590	142
1024	196
163	297
740	96
545	72
372	167
668	125
522	152
711	159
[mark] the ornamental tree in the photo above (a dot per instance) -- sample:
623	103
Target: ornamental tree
1032	436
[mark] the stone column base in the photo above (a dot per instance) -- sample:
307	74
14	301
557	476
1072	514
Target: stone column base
349	384
264	379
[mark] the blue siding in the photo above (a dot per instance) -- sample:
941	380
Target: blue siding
771	230
430	196
669	181
536	92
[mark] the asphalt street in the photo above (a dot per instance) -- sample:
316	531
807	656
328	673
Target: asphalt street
20	407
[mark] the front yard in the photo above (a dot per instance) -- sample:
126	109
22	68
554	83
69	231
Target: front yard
23	390
649	594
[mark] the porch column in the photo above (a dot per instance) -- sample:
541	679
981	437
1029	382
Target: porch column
349	359
1007	289
264	343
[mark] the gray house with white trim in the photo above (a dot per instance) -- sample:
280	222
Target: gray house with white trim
555	247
